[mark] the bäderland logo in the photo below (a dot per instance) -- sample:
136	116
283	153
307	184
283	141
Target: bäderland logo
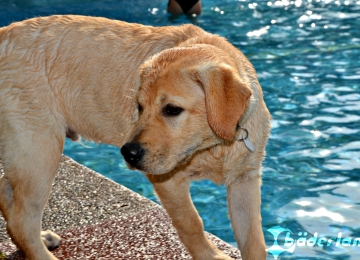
289	242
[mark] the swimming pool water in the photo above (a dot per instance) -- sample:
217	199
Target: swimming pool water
307	56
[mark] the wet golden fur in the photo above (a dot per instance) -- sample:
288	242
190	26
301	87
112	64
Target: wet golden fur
83	75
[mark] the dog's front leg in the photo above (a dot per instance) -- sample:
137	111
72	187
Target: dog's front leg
244	201
175	197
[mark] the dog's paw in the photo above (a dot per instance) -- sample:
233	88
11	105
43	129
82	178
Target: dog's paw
222	257
50	239
217	256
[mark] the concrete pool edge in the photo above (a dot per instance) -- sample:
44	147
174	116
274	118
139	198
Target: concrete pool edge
100	219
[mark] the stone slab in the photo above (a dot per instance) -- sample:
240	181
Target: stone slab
100	219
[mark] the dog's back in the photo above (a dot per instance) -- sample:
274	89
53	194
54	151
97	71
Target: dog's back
63	61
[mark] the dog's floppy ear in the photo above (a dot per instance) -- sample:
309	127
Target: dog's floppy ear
226	97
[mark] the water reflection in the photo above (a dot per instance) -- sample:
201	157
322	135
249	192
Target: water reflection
335	210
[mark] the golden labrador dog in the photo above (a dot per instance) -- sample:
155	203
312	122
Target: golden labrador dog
182	103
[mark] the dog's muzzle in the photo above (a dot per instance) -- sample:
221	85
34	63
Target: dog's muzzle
133	153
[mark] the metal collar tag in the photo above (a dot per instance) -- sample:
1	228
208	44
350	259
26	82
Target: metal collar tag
245	139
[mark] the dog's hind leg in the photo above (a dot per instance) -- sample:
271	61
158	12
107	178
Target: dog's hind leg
175	197
31	159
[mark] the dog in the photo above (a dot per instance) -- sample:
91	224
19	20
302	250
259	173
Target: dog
181	103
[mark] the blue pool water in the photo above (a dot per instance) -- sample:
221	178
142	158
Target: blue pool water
307	56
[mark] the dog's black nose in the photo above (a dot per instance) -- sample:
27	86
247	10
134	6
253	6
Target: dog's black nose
133	153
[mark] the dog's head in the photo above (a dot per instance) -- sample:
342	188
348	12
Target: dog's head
189	99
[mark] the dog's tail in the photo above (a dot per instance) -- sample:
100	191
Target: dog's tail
75	137
72	135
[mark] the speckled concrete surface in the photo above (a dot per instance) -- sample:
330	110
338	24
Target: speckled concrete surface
100	219
81	196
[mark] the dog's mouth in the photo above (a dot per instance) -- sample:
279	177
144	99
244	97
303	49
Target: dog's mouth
137	158
187	154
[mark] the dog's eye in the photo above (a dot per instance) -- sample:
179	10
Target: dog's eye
171	110
140	109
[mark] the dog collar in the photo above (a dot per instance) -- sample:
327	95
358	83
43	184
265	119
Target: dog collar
245	139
